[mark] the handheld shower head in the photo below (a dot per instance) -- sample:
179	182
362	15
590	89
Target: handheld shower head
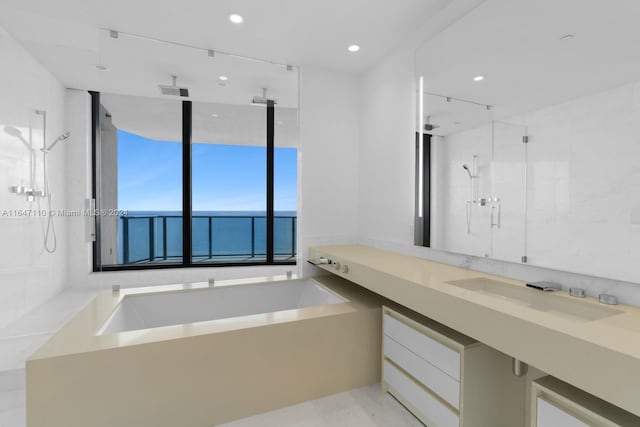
465	167
62	137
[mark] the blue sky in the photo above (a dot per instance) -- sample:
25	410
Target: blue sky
225	177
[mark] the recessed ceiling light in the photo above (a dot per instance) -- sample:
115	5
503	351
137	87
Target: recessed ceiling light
478	78
567	37
223	78
214	115
235	18
354	48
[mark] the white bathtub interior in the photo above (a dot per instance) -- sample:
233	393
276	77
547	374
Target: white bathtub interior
175	308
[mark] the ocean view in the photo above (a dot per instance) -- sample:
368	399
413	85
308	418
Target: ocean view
156	236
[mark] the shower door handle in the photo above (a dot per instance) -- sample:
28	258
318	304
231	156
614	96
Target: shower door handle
496	205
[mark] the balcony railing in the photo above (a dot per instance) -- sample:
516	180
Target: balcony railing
158	238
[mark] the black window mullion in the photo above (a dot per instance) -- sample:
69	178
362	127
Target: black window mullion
270	179
186	184
95	159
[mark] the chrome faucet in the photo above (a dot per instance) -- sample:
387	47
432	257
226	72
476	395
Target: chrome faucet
545	286
320	261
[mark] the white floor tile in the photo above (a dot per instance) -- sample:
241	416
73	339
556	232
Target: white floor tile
363	407
13	418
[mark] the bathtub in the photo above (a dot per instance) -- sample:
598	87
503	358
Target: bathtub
197	356
174	308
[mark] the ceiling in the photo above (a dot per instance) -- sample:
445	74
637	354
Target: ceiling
517	46
212	123
65	36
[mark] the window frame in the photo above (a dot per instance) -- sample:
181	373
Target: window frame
187	213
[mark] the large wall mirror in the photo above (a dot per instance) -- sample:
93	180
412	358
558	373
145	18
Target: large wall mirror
530	112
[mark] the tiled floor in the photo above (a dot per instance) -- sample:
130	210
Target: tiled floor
363	407
20	339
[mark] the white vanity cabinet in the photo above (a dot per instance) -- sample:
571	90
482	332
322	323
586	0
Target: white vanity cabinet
558	404
445	378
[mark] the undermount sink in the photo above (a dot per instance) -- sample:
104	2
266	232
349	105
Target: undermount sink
572	309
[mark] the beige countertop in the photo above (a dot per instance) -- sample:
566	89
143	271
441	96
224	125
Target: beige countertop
599	356
79	334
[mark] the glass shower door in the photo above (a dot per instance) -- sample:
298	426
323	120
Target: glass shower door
507	203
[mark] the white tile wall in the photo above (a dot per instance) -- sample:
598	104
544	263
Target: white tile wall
28	275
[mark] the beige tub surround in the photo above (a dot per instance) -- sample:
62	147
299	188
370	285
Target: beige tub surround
601	356
205	373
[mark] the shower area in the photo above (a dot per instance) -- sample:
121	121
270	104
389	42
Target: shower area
35	188
478	179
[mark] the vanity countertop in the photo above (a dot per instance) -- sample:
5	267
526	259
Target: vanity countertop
600	356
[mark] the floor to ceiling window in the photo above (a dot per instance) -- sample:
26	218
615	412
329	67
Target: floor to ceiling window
165	169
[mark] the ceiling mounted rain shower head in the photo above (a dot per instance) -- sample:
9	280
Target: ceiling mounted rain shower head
263	100
428	126
174	89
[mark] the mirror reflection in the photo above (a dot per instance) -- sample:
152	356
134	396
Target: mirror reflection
533	136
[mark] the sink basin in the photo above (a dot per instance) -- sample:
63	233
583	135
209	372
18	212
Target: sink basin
572	309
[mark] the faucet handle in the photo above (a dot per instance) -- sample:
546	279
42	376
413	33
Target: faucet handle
608	299
577	292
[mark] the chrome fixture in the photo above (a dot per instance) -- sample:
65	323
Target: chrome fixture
62	137
212	281
545	286
115	288
263	100
473	197
465	167
174	89
608	299
577	292
428	126
496	206
50	231
320	261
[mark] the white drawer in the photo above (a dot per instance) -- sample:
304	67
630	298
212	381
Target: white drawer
427	348
432	377
429	407
549	415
